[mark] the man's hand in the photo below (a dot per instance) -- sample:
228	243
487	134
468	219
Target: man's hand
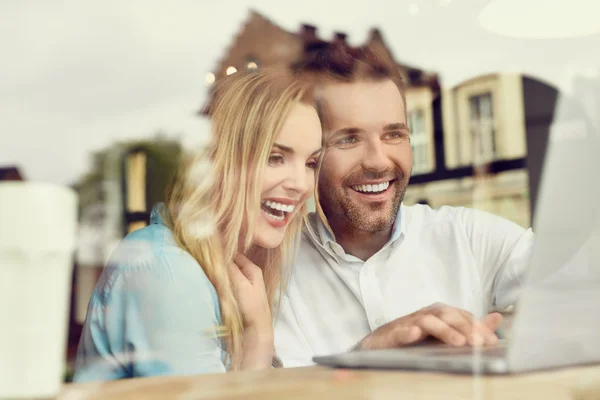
448	324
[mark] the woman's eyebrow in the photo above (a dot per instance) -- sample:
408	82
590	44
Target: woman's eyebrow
283	148
287	149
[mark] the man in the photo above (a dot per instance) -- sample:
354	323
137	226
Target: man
371	272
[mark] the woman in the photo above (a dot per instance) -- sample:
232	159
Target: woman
185	295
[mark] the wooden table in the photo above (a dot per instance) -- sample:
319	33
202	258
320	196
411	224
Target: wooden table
316	383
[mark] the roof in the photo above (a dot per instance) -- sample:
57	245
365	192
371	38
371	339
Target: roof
10	173
295	44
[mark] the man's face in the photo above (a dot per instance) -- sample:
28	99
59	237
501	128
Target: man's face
368	158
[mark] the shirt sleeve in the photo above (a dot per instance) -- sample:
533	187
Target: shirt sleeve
503	251
149	318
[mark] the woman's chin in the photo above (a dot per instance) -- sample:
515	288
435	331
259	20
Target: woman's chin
268	241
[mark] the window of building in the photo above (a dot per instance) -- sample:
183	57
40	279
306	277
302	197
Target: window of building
251	62
419	141
481	121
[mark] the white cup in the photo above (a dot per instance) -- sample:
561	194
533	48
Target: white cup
38	224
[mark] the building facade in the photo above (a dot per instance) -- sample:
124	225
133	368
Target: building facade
470	142
490	153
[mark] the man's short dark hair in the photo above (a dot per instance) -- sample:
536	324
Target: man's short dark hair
338	62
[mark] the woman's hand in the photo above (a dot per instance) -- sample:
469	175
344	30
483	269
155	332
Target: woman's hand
250	292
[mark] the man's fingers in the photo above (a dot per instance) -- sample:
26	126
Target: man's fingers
403	336
396	336
480	332
474	331
434	326
457	320
448	324
492	321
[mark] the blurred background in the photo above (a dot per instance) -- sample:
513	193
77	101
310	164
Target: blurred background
107	96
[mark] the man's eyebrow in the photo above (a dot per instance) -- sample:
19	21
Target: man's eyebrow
398	126
348	131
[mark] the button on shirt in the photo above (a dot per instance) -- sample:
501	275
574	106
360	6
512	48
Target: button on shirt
457	256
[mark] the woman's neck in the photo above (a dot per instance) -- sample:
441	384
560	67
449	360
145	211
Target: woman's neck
257	255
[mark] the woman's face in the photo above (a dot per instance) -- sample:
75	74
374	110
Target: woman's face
289	177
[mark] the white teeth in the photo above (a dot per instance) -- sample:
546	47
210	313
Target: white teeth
372	188
275	217
278	206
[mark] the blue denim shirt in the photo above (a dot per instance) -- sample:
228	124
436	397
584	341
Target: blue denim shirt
152	312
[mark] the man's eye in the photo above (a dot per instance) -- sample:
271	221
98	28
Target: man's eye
348	140
394	135
275	159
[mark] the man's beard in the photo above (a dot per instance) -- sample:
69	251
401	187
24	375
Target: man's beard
369	217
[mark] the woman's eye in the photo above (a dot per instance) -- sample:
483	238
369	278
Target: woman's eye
275	159
312	164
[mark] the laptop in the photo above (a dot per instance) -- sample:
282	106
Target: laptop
556	322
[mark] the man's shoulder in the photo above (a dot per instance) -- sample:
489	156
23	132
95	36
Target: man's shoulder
462	220
412	216
421	213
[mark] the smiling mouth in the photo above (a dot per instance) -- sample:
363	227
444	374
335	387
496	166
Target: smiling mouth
377	188
277	211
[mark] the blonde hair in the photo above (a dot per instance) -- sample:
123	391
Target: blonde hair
220	188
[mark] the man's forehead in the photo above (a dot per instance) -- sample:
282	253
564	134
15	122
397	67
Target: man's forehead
359	104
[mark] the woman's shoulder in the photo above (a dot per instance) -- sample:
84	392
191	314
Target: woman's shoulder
150	256
152	248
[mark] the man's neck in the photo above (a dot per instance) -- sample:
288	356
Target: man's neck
360	244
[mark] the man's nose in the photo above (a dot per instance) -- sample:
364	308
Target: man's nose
375	157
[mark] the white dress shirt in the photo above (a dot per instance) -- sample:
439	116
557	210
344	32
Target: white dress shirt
457	256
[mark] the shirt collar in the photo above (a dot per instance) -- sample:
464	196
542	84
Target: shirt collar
155	214
326	237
